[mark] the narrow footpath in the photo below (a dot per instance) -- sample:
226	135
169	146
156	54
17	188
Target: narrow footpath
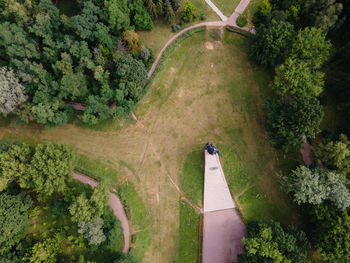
116	206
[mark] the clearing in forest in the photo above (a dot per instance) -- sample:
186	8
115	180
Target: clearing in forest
199	95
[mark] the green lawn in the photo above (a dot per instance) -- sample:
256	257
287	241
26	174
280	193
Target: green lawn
189	234
227	7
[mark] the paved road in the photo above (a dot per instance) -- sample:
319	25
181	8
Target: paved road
116	206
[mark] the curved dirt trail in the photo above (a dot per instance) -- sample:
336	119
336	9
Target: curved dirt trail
116	206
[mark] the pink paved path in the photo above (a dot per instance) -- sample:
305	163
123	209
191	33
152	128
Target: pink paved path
223	230
306	151
116	206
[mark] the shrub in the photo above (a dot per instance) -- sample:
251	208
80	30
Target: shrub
241	21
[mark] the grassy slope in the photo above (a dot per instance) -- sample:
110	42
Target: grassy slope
199	95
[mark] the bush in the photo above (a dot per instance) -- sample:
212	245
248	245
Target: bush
202	17
241	21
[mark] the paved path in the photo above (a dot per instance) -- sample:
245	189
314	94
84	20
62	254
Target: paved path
223	227
216	10
116	206
305	152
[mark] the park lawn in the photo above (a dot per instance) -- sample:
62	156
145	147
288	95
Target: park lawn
189	234
206	90
227	7
250	11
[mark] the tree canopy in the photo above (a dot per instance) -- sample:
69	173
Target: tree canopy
14	220
270	242
315	186
289	123
271	43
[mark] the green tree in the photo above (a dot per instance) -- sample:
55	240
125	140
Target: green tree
14	220
175	4
85	209
169	13
160	8
18	10
141	18
271	43
315	186
14	163
49	168
270	242
132	74
11	91
289	123
331	233
92	231
335	154
45	251
152	9
95	110
311	47
73	85
188	11
118	14
296	77
323	14
103	35
84	24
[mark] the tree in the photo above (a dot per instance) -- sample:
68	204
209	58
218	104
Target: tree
92	231
95	110
73	85
11	91
311	47
335	154
315	186
132	39
169	13
289	123
45	252
297	77
270	242
175	4
323	14
17	9
271	43
49	168
85	209
103	35
331	233
132	74
14	220
141	18
14	163
118	14
152	9
160	8
51	113
188	11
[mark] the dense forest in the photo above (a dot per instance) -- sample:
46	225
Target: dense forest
45	216
49	60
305	45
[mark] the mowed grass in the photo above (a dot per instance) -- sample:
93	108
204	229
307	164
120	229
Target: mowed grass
227	7
199	95
189	234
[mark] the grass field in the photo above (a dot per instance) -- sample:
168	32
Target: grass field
189	236
201	94
227	7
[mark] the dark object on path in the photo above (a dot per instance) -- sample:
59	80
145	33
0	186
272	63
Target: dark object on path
211	148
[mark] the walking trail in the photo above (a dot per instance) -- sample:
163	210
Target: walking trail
116	206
